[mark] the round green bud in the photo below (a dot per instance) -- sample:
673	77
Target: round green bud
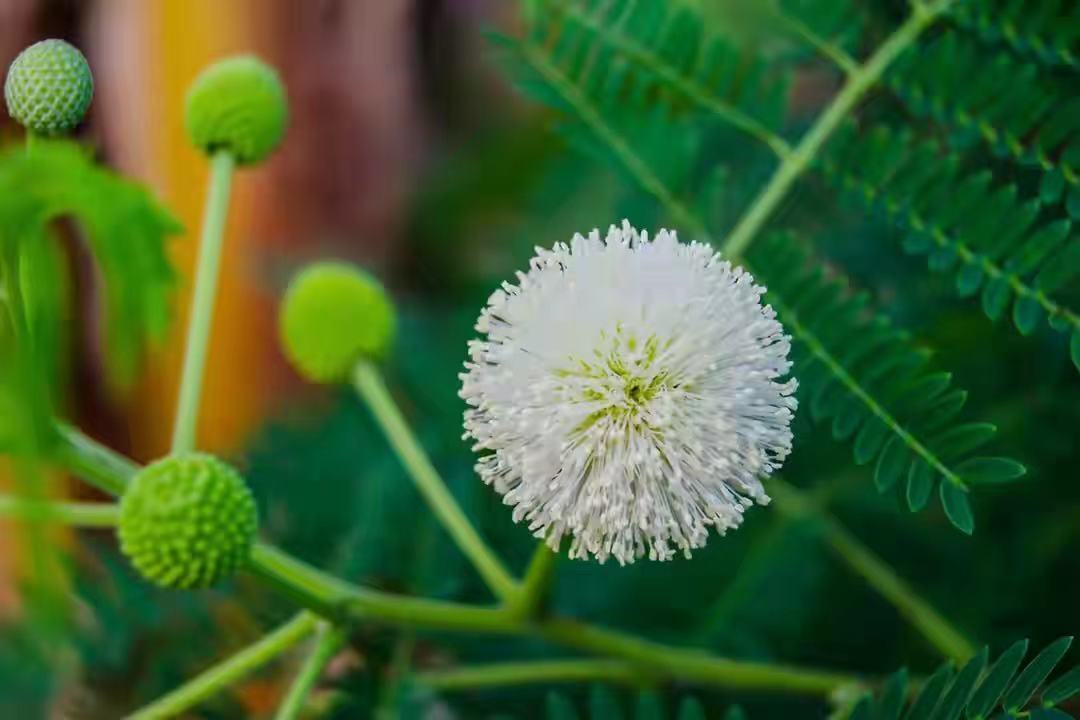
334	315
187	521
49	87
238	106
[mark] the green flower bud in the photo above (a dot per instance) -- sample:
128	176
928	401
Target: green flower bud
334	315
187	521
237	105
49	87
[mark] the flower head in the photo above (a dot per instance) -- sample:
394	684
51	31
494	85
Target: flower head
187	521
49	87
629	393
237	105
334	315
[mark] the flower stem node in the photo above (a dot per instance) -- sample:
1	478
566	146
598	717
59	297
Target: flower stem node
187	521
49	87
333	316
238	106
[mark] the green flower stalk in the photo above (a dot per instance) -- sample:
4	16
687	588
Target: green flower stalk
187	521
236	113
49	88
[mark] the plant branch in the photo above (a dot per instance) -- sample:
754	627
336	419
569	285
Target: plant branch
534	587
87	515
214	680
859	81
877	573
342	602
369	384
690	664
507	674
102	467
202	302
328	642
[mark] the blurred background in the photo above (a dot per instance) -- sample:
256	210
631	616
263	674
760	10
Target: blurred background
409	152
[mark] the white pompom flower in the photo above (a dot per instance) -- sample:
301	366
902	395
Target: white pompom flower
629	393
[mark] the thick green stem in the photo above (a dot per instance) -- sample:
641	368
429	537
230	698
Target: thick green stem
369	384
693	665
530	673
859	80
88	515
532	593
878	574
329	641
343	602
230	671
103	468
202	302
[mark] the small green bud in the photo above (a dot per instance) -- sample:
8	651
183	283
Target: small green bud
334	315
49	87
187	521
237	105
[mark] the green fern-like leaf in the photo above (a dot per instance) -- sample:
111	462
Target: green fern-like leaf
978	691
1013	107
1048	32
875	386
125	230
652	52
995	242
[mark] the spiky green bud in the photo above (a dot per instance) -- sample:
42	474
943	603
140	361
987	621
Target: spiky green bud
237	105
334	315
187	521
49	87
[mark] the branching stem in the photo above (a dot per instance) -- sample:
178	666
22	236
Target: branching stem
342	603
328	642
235	668
859	81
534	587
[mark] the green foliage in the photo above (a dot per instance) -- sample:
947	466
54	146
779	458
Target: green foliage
125	228
978	692
965	222
1049	32
646	86
1014	107
858	370
648	54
